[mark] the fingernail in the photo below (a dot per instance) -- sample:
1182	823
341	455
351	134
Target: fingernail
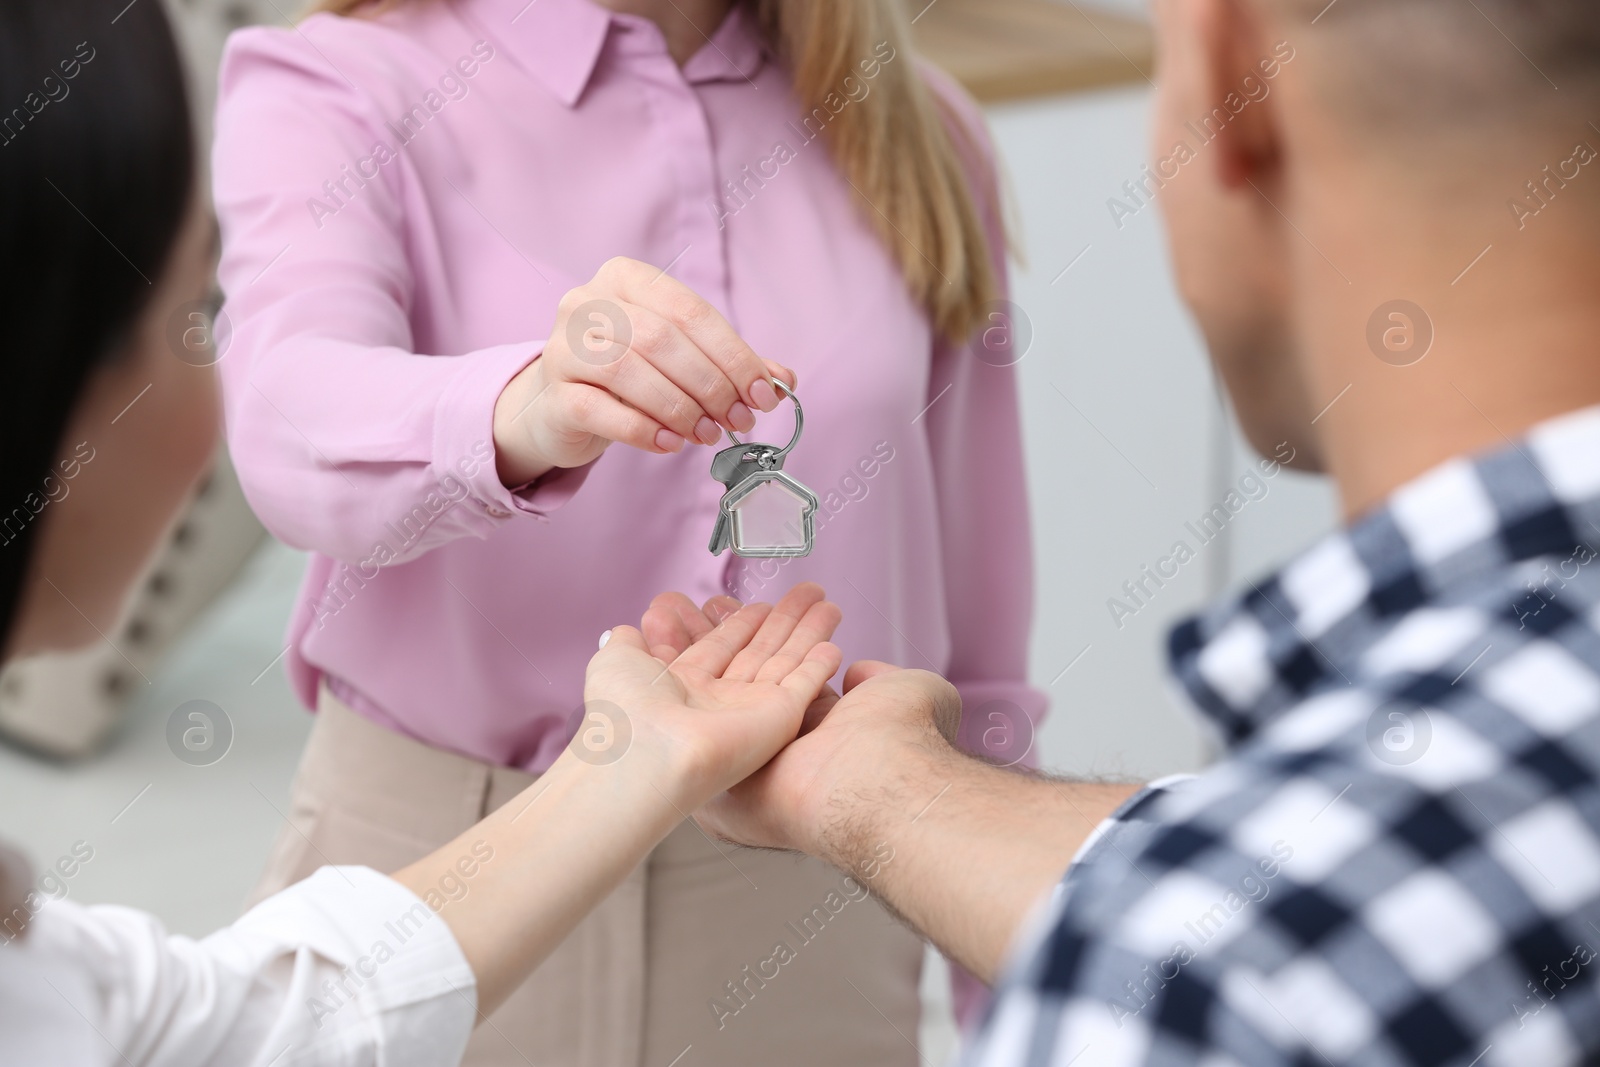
741	416
668	441
604	638
764	395
707	430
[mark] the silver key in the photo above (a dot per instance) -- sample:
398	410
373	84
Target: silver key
766	513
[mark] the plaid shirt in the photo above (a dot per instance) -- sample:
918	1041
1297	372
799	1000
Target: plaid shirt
1398	859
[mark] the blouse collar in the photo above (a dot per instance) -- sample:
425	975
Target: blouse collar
562	42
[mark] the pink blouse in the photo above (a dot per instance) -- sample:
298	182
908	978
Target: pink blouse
403	201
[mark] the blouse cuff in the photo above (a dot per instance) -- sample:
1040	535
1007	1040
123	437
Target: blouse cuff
463	445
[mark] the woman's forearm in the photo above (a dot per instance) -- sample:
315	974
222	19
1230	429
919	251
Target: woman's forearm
540	863
717	714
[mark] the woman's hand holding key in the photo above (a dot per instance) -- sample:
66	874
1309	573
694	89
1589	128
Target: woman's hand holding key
635	356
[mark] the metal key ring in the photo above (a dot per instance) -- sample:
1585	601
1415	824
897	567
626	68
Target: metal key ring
799	423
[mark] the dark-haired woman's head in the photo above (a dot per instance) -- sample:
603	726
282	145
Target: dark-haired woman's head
102	241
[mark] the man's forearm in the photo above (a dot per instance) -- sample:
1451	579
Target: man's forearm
960	848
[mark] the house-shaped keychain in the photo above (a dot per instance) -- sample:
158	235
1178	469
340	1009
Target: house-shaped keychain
766	513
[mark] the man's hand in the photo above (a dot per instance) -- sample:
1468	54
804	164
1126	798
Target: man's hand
874	785
807	798
715	712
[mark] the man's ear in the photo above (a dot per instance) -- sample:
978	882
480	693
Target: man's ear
1236	55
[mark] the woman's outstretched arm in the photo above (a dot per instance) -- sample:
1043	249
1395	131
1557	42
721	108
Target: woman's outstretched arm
657	742
352	967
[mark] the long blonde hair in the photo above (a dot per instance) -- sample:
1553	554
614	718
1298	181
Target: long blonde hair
900	146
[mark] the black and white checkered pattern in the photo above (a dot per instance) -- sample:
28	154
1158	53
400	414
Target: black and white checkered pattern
1398	860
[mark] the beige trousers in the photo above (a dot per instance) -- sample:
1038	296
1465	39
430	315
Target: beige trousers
705	956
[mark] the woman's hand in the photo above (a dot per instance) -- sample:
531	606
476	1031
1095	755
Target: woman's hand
724	706
635	356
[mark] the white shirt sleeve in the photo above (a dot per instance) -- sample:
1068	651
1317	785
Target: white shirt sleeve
346	969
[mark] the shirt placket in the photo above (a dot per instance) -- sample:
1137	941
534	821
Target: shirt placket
697	254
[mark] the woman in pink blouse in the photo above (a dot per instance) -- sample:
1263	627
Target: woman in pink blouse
437	216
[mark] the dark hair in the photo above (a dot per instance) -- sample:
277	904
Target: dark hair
96	174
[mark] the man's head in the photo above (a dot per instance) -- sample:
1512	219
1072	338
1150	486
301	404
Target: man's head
1322	161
